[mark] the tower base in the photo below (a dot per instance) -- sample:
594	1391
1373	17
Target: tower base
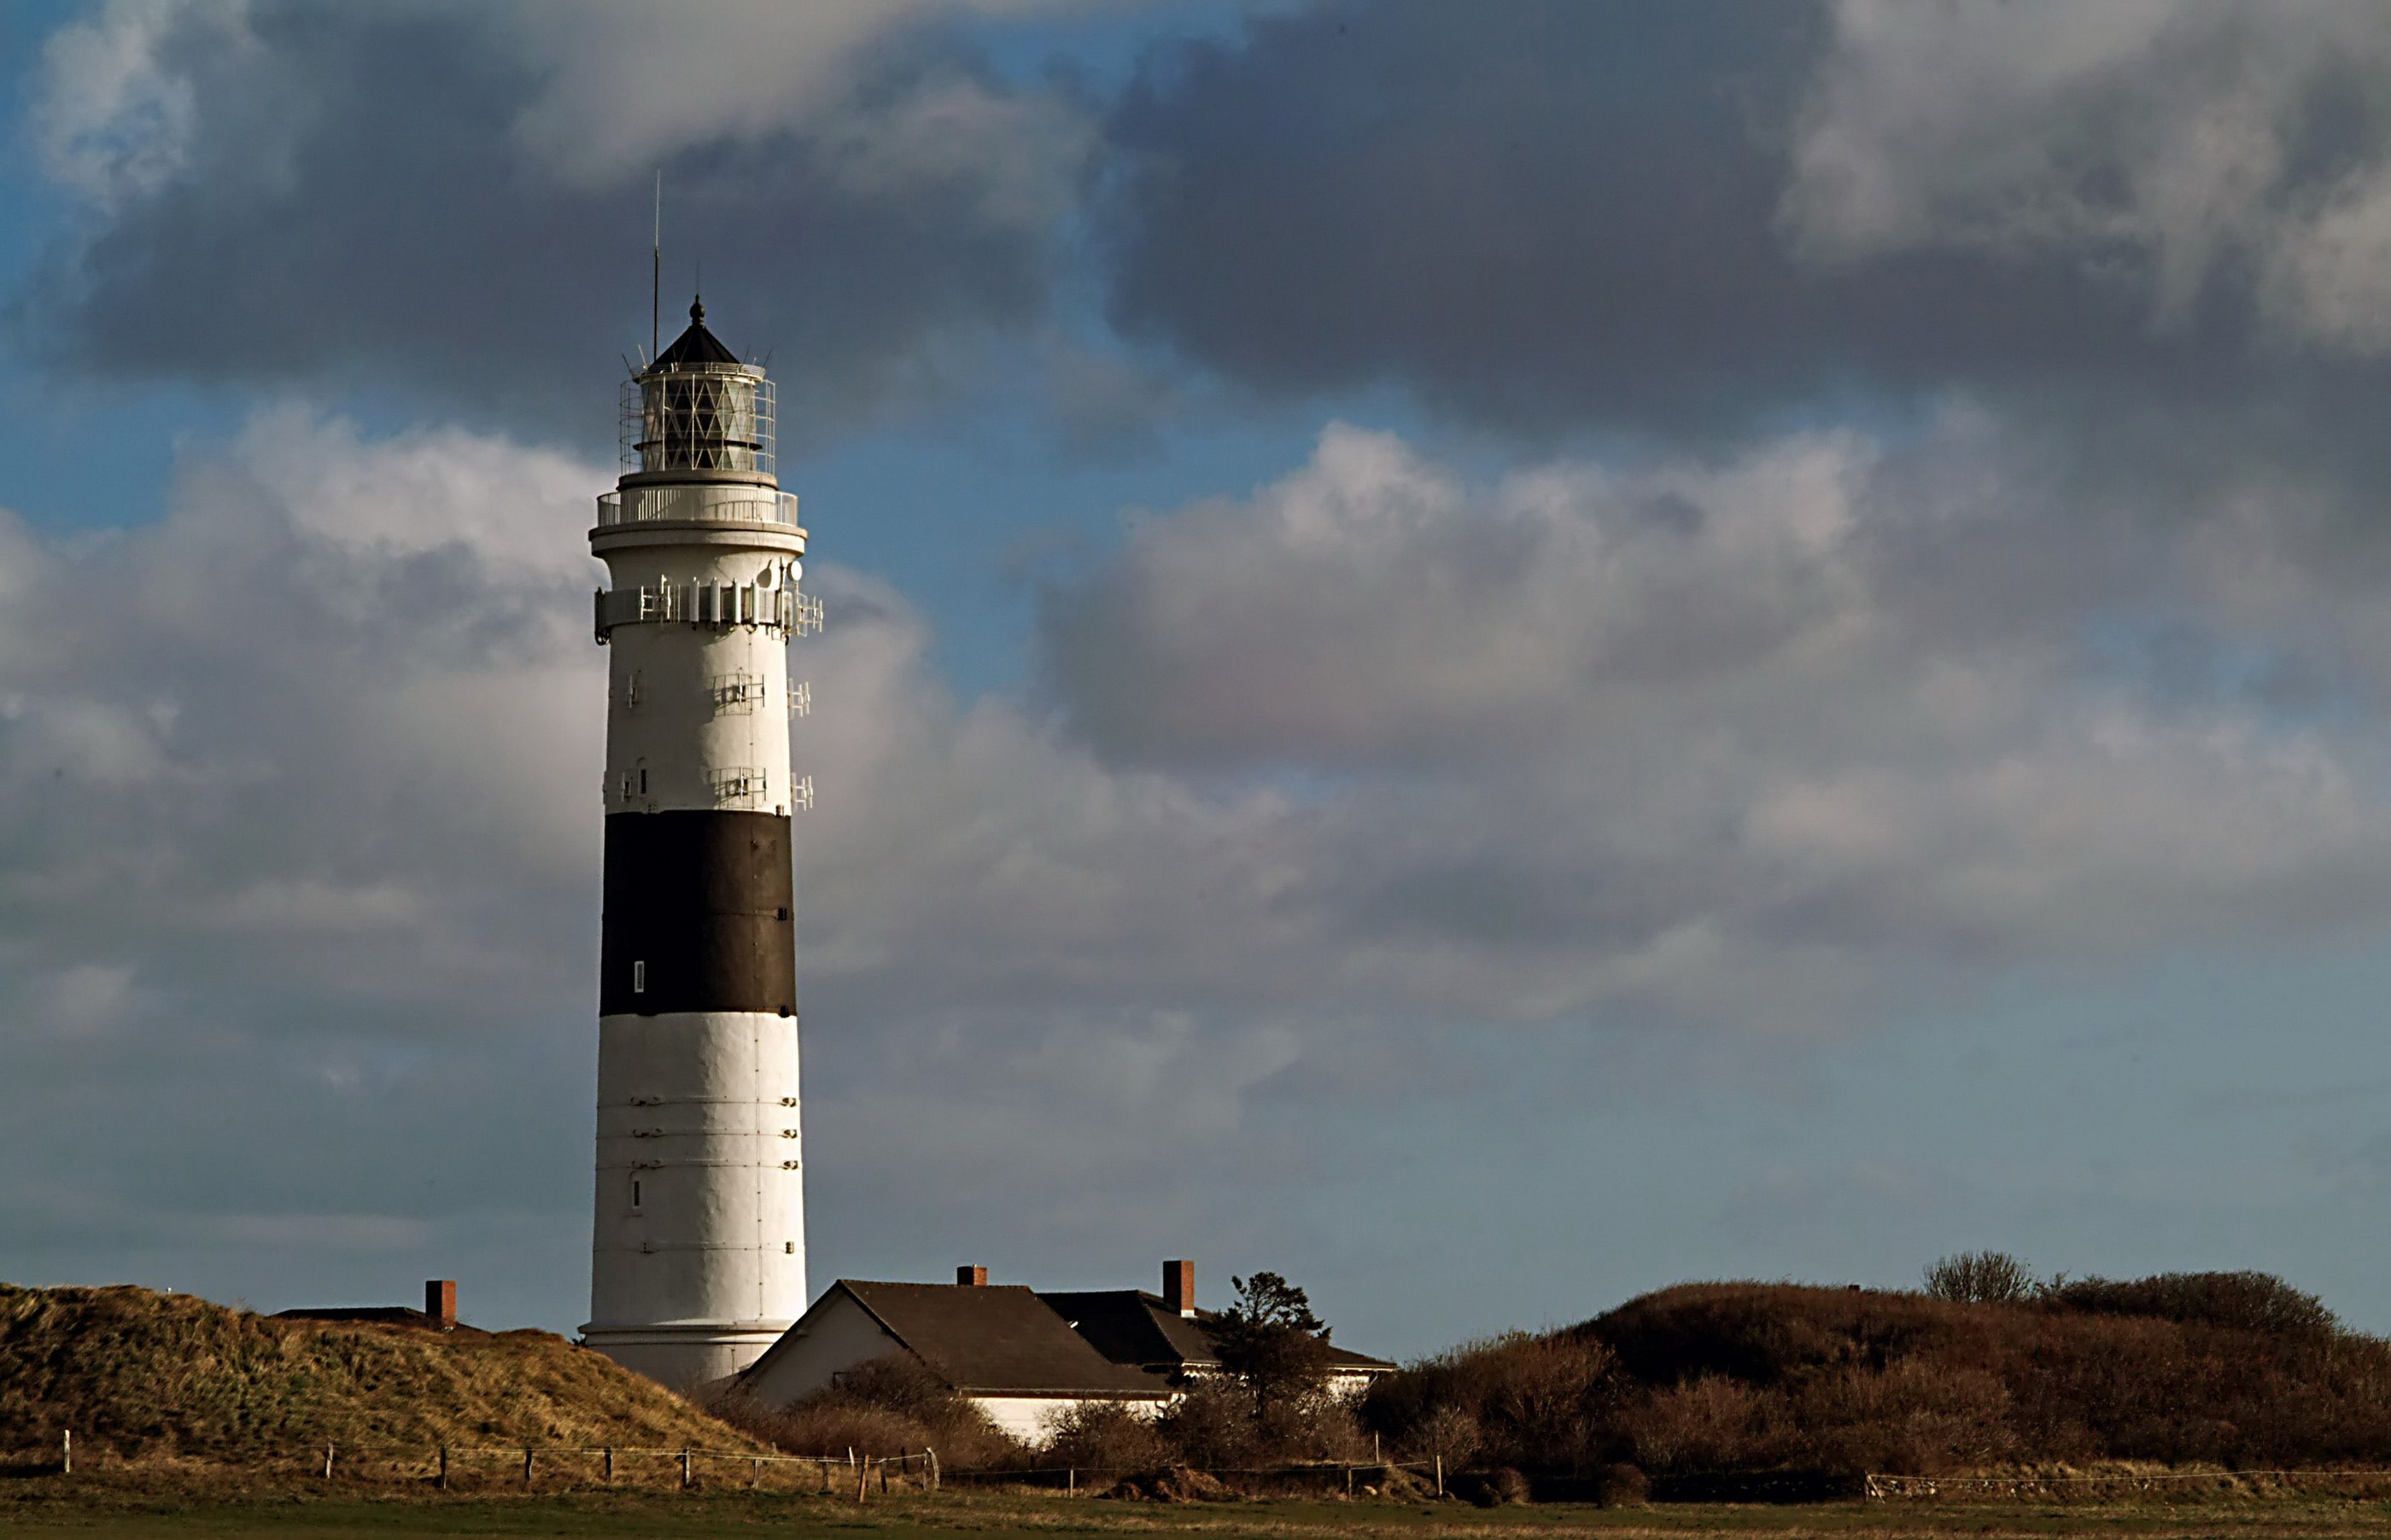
687	1356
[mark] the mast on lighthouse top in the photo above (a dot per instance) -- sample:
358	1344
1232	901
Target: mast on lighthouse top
697	414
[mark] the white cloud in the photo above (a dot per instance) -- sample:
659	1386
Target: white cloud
1598	739
2183	143
626	84
302	862
113	119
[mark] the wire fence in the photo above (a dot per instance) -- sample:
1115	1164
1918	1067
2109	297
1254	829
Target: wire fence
481	1466
847	1472
858	1476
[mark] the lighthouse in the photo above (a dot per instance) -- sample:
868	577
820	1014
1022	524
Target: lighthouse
698	1255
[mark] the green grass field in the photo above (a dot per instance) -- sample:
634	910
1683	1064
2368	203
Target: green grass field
135	1510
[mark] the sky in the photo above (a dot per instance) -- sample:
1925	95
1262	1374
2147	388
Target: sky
1489	656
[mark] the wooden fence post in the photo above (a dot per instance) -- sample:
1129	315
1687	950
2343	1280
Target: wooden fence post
863	1475
526	1465
328	1462
610	1464
66	1451
931	1455
685	1477
443	1468
1070	1481
1439	1475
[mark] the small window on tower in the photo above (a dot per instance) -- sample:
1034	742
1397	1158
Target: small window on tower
644	780
638	977
637	1193
789	1248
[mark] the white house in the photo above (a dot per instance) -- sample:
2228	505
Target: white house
1025	1358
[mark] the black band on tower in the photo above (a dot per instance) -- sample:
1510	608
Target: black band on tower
697	915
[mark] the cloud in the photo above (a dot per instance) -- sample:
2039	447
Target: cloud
451	199
624	85
1703	220
1331	787
1654	738
2179	146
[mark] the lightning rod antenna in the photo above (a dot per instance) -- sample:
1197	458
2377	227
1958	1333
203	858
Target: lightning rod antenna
657	271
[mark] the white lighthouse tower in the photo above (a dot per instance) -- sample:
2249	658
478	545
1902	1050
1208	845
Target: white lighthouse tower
698	1262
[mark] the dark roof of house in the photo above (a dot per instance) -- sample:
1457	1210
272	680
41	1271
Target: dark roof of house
696	345
1129	1326
995	1339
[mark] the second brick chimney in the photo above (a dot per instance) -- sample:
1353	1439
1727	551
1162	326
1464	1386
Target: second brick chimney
1178	1288
440	1302
971	1277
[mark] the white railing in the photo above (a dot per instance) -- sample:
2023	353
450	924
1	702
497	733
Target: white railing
720	605
698	505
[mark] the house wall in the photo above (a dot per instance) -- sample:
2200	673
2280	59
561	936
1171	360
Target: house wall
1033	1419
836	1338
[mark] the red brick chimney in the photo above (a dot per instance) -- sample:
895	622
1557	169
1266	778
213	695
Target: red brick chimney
1178	1288
440	1302
971	1277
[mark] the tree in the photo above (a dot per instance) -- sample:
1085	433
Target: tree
1980	1278
1271	1340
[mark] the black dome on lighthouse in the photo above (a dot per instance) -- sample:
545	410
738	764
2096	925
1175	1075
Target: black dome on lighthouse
696	345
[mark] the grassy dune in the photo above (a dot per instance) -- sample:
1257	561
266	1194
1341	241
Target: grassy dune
140	1375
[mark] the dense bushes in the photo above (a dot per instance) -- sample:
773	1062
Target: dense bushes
2232	1368
891	1406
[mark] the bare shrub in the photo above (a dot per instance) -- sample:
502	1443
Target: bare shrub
1102	1435
1622	1485
1313	1426
829	1424
1448	1434
1539	1402
1713	1423
1494	1488
1980	1278
893	1405
1911	1417
2237	1301
1212	1425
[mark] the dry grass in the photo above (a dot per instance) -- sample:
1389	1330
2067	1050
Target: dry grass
142	1375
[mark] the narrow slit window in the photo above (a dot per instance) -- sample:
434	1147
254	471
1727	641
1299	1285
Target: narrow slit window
638	977
637	1193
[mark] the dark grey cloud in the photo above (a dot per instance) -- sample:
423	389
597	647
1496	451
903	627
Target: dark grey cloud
1564	215
382	196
